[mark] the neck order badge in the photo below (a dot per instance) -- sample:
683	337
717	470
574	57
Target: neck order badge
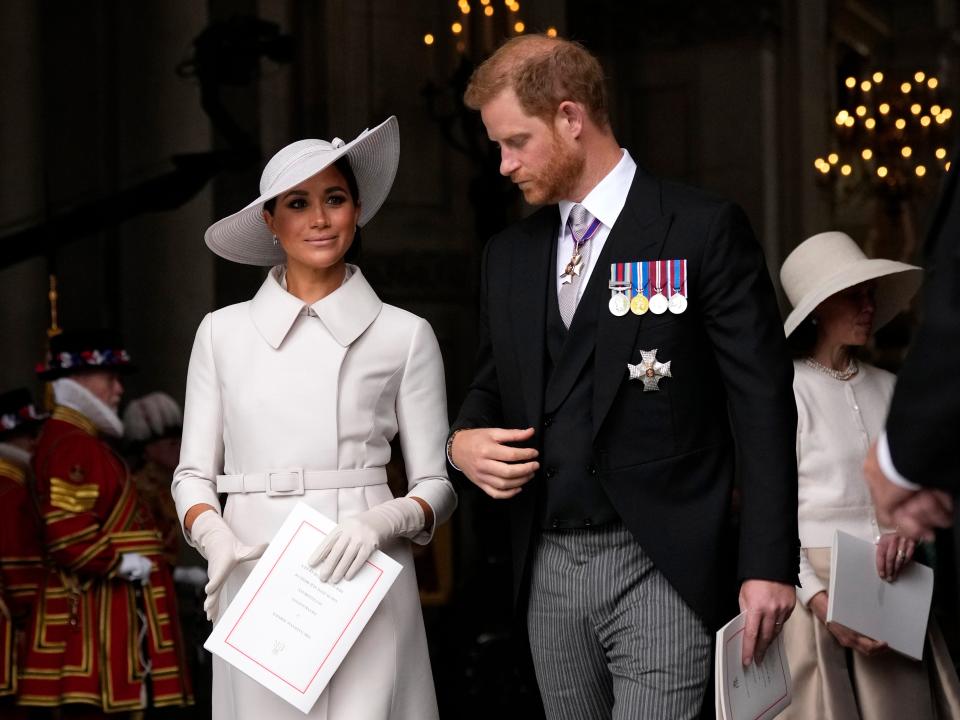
577	219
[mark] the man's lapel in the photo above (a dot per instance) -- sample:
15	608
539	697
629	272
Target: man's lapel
639	234
532	263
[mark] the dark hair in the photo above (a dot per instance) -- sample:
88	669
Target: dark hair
803	339
343	165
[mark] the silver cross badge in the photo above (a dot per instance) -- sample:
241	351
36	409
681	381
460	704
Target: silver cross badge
650	370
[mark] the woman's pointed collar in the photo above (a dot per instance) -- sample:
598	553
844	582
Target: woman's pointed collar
346	313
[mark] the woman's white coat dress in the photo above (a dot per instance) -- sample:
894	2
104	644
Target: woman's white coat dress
275	384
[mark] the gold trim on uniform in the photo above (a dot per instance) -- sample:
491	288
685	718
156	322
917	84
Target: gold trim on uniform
8	682
72	497
68	540
75	418
42	644
92	551
14	472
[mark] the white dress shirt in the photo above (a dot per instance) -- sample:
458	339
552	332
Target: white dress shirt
888	468
604	202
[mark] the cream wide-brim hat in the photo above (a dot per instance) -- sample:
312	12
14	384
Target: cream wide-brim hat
827	263
374	154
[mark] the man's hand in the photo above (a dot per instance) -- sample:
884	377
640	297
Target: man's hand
922	513
768	604
893	553
915	513
887	496
499	470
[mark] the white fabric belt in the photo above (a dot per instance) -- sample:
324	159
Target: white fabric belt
294	481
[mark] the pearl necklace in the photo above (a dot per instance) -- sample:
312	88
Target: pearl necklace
852	369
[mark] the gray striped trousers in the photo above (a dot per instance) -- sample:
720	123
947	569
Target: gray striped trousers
610	637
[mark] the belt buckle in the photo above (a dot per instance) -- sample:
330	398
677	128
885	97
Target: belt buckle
298	475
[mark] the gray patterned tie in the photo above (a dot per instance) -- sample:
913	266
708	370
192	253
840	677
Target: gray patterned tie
579	222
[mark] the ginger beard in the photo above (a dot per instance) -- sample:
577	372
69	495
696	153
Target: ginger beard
557	178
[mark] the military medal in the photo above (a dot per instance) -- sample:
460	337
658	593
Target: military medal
619	288
639	304
619	305
678	286
658	301
658	304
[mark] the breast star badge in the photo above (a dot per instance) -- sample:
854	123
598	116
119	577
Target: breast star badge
649	370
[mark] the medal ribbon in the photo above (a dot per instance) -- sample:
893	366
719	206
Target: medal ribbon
587	235
621	278
678	277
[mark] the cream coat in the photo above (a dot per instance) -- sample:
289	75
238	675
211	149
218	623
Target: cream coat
274	384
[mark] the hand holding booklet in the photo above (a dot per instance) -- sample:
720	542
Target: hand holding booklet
892	612
287	629
759	691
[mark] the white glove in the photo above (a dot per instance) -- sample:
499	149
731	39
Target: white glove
149	417
134	567
349	545
190	575
223	552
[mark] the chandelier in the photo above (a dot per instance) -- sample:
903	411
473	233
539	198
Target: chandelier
889	134
476	31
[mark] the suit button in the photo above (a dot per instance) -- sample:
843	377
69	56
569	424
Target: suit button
587	523
548	421
555	524
550	472
592	470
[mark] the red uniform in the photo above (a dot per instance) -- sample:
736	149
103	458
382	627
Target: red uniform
83	642
21	566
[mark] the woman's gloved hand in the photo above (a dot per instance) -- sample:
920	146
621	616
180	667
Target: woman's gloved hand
223	552
348	546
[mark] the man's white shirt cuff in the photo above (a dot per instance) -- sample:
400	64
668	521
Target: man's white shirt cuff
886	465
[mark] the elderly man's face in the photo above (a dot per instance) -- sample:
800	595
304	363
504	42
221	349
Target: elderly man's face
105	385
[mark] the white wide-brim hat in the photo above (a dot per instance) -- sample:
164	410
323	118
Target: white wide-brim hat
374	154
827	263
